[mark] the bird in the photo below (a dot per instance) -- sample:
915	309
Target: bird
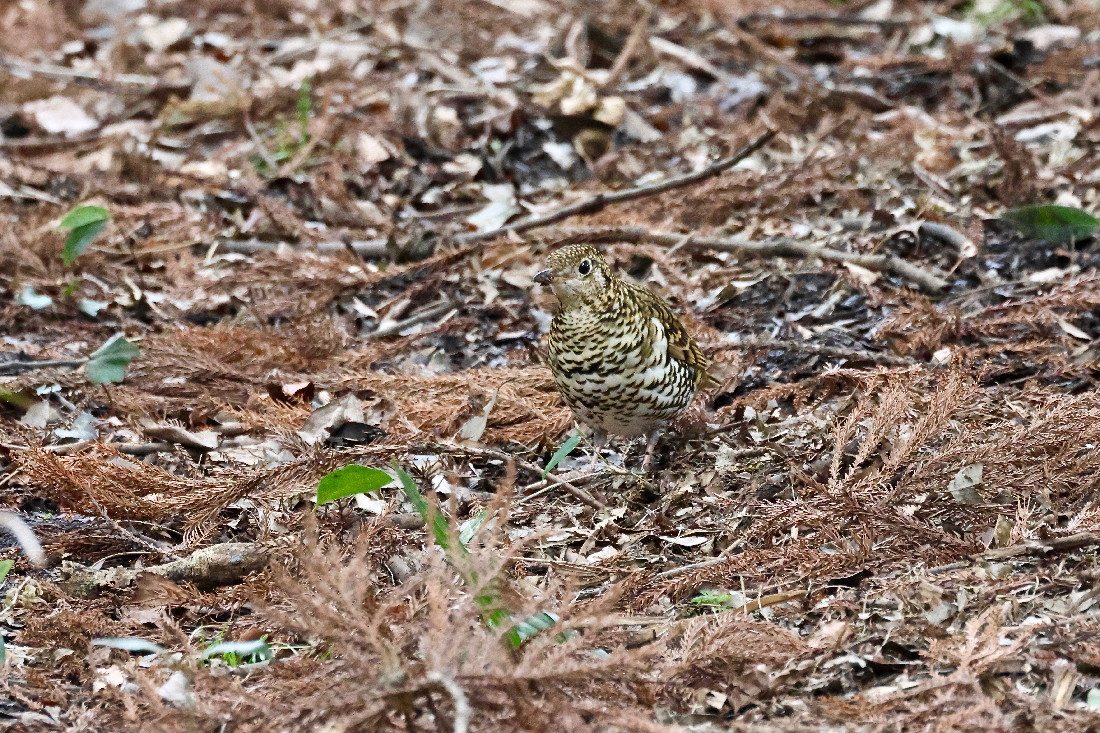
621	357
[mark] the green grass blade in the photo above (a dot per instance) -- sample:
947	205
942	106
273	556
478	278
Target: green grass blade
566	448
432	516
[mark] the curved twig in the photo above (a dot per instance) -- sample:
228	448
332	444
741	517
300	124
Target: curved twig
892	264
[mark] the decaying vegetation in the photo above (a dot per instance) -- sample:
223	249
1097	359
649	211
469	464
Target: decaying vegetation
321	223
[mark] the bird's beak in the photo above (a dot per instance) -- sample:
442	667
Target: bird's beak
545	277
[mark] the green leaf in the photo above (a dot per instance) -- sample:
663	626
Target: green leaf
5	568
29	297
470	527
565	449
108	363
86	222
529	627
16	399
712	599
432	516
84	215
350	480
129	644
494	614
257	648
1056	224
79	239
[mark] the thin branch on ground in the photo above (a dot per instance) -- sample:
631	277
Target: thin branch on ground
891	264
1057	544
377	247
794	19
137	82
362	247
601	200
8	368
633	43
806	347
577	493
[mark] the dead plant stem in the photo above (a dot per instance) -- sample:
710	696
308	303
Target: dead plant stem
922	278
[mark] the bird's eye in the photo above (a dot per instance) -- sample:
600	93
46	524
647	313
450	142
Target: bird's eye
584	267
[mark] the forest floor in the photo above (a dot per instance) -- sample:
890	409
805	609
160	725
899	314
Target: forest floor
316	224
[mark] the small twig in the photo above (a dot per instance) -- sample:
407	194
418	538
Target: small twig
838	352
676	629
132	536
363	248
139	81
673	572
8	368
451	449
34	144
601	200
689	58
257	143
570	487
769	600
396	327
377	247
130	449
946	234
633	43
1057	544
309	47
924	279
577	493
759	18
458	699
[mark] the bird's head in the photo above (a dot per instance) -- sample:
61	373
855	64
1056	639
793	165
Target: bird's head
577	274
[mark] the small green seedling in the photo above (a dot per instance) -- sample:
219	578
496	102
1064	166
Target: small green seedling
84	224
350	480
109	362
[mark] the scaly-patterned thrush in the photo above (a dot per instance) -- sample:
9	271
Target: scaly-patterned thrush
621	358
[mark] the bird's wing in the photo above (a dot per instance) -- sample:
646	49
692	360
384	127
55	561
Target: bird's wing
681	346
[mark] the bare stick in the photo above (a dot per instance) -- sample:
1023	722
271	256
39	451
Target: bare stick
377	247
132	536
17	367
396	327
765	18
601	200
363	247
458	698
52	71
922	278
1057	544
765	601
618	68
581	494
806	347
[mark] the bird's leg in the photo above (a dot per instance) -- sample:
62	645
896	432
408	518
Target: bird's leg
650	448
599	442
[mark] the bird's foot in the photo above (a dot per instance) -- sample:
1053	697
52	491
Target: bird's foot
650	450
